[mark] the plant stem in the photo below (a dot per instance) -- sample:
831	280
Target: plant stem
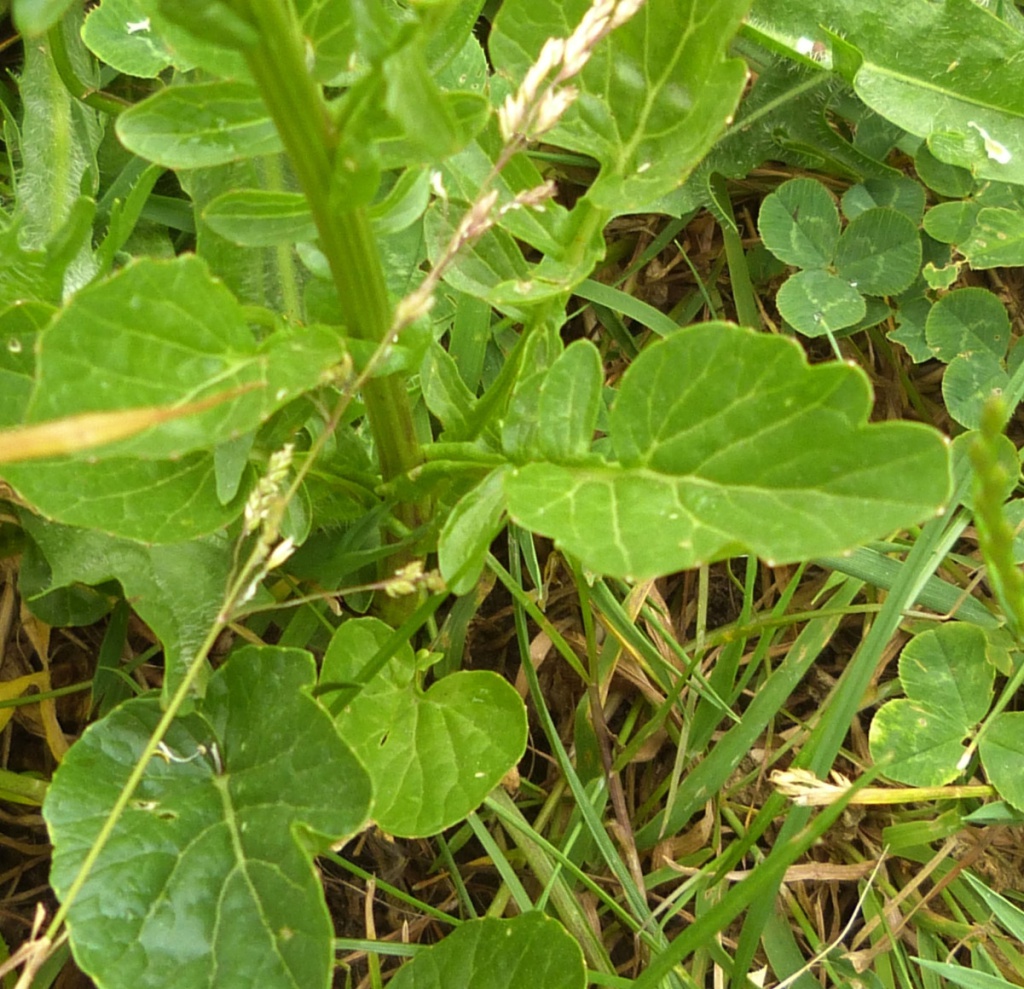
295	102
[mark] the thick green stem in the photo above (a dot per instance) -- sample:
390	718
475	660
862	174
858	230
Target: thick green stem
278	64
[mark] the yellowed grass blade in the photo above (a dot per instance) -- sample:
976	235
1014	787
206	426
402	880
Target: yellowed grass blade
60	437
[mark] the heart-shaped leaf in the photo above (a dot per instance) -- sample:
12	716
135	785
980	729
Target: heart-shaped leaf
948	681
728	442
879	253
176	589
524	952
799	223
652	100
190	340
433	756
815	302
968	321
207	878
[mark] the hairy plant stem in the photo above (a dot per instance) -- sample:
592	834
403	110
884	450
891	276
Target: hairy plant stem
278	64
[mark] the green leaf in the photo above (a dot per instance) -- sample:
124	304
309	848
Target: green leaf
58	173
433	756
961	976
947	668
469	531
652	100
34	17
445	393
209	873
922	741
19	328
946	72
154	501
969	382
968	321
175	589
1009	914
951	223
904	195
523	952
799	224
261	218
750	450
997	240
879	253
199	125
120	33
183	337
911	321
948	681
816	302
946	180
569	400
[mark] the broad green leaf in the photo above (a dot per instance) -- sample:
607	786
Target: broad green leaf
121	33
74	604
951	223
1002	751
205	34
261	218
948	681
727	442
917	743
493	268
199	125
28	274
946	72
347	38
434	123
445	393
903	195
997	240
969	382
946	180
164	333
879	253
524	952
968	321
799	224
19	328
208	878
495	259
947	668
816	302
433	756
175	589
521	427
569	400
154	501
37	16
403	204
653	97
469	531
